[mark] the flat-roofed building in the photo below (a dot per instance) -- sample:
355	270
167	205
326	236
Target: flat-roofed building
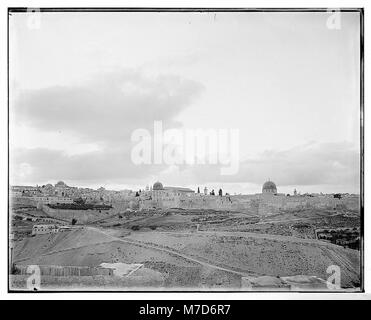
44	229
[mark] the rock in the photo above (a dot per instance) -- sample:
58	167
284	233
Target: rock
265	283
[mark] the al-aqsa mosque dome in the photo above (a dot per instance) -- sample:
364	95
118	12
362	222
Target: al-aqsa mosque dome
269	187
158	186
60	184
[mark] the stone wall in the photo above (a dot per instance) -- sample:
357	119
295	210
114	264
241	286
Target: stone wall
82	216
261	204
65	271
22	201
121	205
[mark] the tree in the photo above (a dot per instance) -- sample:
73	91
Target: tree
220	192
79	200
198	190
137	194
73	221
212	193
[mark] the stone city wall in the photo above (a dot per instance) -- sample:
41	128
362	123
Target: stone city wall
82	216
121	205
273	204
261	204
22	201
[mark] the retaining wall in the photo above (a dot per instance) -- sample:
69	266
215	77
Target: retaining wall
262	204
66	271
82	216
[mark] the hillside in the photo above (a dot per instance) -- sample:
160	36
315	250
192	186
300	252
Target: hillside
193	259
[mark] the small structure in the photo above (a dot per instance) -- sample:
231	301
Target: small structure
121	269
263	283
65	228
44	229
295	283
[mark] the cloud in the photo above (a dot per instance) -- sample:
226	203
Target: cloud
324	163
40	165
178	60
103	111
309	164
107	108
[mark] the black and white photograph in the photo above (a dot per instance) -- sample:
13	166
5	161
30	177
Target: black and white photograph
185	150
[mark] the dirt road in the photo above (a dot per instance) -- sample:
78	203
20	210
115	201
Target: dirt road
172	252
139	244
254	235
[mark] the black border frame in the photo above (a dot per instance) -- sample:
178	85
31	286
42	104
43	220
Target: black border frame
202	10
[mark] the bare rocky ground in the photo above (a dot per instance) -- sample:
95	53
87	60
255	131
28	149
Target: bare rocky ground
226	247
145	278
262	254
73	249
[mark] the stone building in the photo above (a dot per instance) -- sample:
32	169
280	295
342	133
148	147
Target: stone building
44	229
164	197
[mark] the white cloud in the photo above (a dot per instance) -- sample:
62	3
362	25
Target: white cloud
108	108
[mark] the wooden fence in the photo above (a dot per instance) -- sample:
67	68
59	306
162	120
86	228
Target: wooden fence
65	271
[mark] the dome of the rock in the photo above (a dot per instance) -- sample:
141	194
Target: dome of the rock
269	187
60	184
158	186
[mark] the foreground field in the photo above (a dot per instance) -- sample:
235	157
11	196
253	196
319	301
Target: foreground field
258	254
190	260
188	250
79	249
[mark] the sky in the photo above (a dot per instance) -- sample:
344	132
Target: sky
82	83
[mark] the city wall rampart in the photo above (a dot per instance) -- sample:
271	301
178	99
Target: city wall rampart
257	204
82	216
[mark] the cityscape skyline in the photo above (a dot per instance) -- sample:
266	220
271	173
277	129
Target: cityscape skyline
185	150
195	188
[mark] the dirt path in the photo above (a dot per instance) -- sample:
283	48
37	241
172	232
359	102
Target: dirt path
285	220
173	252
62	250
254	235
144	245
